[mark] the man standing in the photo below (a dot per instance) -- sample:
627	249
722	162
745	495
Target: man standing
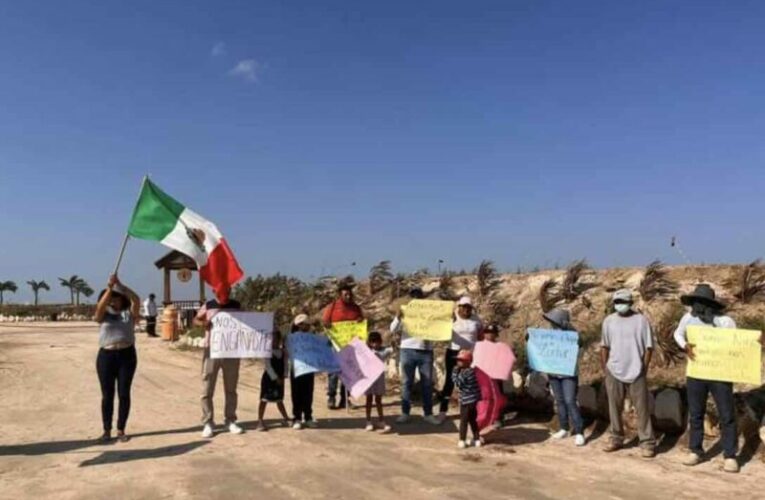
706	310
210	368
150	314
416	355
626	350
342	309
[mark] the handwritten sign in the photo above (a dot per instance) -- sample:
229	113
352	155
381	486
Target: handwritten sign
429	319
725	354
495	359
359	367
342	332
241	335
553	351
311	353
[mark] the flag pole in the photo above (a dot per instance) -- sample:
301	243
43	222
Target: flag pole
127	235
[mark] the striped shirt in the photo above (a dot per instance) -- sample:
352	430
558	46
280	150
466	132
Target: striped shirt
466	381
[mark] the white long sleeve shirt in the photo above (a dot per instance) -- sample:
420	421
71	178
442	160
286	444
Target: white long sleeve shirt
149	308
688	320
408	342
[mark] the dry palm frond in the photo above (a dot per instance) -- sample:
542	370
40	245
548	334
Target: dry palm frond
656	282
571	287
486	276
380	276
664	329
548	299
446	286
749	283
499	311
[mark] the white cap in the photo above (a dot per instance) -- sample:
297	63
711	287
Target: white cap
300	318
624	294
465	301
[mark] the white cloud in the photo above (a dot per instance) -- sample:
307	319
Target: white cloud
246	69
218	49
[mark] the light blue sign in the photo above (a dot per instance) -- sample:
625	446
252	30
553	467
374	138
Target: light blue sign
553	351
311	353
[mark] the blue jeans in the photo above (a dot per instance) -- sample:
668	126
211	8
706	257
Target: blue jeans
565	389
722	393
422	360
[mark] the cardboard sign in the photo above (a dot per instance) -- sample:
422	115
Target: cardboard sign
725	354
495	359
343	332
553	351
240	334
359	367
311	353
429	319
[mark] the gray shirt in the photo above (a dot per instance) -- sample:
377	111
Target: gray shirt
116	328
627	339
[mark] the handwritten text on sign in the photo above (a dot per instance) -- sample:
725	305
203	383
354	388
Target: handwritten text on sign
359	367
553	351
429	319
241	335
725	354
342	332
311	353
495	359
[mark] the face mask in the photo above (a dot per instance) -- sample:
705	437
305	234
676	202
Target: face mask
622	308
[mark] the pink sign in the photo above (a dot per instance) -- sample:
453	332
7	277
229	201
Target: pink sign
359	367
496	359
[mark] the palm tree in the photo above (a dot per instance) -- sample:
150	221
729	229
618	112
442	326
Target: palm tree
72	284
380	276
84	289
7	286
36	287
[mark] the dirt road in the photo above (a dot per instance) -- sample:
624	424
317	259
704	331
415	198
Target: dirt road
49	416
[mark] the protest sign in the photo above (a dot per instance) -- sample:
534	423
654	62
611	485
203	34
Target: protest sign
241	335
725	354
553	351
495	359
429	319
359	367
342	332
311	353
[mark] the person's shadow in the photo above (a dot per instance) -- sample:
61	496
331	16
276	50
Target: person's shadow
117	456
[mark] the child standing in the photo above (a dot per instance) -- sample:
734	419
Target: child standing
302	386
492	405
464	379
272	382
377	390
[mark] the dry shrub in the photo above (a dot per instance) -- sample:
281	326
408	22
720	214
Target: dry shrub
664	330
656	282
571	287
548	299
749	283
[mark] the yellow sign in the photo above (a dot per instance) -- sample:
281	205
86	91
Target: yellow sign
343	332
725	354
429	319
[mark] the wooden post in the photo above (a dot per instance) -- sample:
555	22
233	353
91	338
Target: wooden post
202	297
167	287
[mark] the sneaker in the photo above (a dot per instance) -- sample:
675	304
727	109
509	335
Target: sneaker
730	465
369	427
402	419
433	420
261	427
385	429
233	428
479	442
297	425
461	444
311	424
331	404
579	440
207	432
692	459
441	417
560	434
648	452
496	425
612	446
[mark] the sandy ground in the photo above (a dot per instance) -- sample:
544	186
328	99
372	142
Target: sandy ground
50	415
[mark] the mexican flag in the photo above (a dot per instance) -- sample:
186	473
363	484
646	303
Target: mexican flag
159	217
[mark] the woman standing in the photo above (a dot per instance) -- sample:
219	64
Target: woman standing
465	331
116	313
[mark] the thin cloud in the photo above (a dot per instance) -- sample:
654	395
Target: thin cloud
218	49
247	70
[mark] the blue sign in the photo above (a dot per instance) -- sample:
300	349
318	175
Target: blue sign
553	351
311	353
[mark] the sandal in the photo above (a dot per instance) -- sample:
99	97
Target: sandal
105	438
122	437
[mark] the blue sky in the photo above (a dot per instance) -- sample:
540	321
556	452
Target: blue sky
320	133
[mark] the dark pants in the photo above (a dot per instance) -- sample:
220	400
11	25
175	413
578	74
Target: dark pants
117	366
446	392
469	415
565	389
302	396
722	393
333	380
151	325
